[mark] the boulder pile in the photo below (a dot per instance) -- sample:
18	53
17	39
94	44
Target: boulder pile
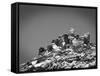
68	51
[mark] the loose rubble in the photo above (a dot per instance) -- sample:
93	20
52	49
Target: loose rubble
68	51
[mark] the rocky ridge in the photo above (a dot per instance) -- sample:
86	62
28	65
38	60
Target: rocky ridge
68	51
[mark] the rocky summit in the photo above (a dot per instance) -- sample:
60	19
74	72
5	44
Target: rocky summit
68	51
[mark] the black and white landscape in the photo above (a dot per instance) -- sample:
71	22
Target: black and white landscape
55	38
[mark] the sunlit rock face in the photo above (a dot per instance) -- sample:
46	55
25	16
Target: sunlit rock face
68	51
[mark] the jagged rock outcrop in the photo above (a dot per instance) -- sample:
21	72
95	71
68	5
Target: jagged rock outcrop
66	52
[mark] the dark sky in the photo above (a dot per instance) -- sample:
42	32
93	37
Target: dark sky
40	24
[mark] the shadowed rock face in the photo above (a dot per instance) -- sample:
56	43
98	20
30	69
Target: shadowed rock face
66	52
